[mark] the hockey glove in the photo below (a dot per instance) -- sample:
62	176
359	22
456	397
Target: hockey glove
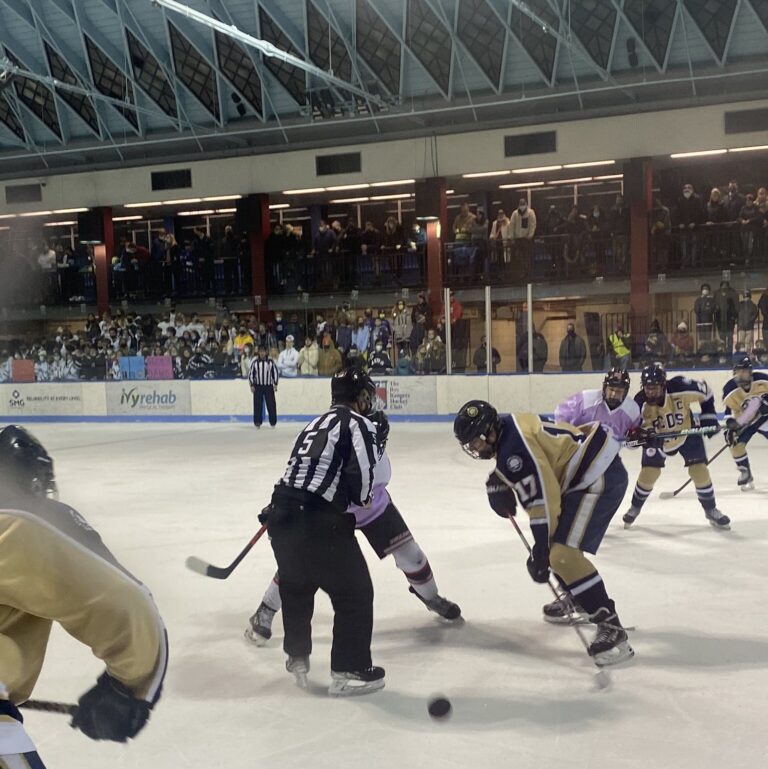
500	497
109	711
709	420
538	564
732	430
7	708
640	436
264	514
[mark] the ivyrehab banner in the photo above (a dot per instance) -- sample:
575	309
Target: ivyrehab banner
161	398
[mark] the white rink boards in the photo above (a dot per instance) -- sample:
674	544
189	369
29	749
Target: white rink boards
522	691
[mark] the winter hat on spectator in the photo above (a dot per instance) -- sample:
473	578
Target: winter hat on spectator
682	326
289	338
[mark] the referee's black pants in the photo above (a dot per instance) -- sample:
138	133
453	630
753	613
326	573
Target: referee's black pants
263	393
318	550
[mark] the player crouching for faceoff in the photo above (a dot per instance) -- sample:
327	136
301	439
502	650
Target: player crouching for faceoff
665	407
387	532
571	482
55	568
746	409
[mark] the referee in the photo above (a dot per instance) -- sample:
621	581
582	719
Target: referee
263	378
330	467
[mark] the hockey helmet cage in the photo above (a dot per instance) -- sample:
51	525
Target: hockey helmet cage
476	419
616	378
25	463
742	372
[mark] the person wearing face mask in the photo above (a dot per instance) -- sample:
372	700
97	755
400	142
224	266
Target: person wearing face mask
361	336
379	362
329	358
522	228
573	351
308	357
704	309
288	360
42	369
402	325
500	238
279	330
687	218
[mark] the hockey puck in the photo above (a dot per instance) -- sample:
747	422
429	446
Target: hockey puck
439	707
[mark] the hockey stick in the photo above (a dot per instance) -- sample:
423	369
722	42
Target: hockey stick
602	679
632	444
50	707
670	494
199	566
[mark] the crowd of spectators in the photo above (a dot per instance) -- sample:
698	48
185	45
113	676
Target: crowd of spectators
401	339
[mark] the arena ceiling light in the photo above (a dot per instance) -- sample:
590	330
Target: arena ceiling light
341	187
132	218
182	201
520	185
480	174
538	169
449	192
8	216
349	200
214	198
749	149
59	224
398	196
226	210
37	213
204	212
697	154
69	210
572	181
393	184
142	205
305	191
590	163
273	206
608	177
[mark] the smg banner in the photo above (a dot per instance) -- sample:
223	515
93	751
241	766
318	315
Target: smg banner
407	395
54	399
148	398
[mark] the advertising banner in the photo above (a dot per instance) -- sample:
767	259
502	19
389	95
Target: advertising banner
54	399
408	395
148	399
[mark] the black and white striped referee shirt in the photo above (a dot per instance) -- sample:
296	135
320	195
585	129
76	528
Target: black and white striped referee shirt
334	457
263	373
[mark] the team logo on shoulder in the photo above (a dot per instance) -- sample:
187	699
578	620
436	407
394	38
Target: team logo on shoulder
472	411
515	463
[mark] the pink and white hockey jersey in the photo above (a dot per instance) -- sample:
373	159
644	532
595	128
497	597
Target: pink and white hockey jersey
589	406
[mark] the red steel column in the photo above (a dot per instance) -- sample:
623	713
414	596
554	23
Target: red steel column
431	202
258	231
639	242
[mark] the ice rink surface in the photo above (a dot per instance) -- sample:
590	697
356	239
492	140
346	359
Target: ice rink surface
523	694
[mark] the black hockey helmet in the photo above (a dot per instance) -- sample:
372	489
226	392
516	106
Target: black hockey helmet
381	423
475	420
353	387
25	464
651	376
742	372
616	378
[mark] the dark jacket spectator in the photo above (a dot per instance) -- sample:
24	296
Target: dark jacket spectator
422	308
573	351
682	343
734	202
370	239
540	352
480	358
200	365
379	362
324	241
705	307
747	313
714	211
343	337
689	211
750	216
656	345
618	218
392	237
725	308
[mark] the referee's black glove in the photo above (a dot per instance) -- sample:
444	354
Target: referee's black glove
264	514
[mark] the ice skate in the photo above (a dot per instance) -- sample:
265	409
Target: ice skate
630	516
717	519
299	666
350	684
746	482
442	606
564	611
259	628
611	644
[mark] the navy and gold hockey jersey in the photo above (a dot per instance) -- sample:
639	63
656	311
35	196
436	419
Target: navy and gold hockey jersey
675	413
544	460
55	568
735	399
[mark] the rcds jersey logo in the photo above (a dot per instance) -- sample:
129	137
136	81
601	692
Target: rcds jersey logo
514	463
16	401
151	400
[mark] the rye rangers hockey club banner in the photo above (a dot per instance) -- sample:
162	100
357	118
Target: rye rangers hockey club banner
407	395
